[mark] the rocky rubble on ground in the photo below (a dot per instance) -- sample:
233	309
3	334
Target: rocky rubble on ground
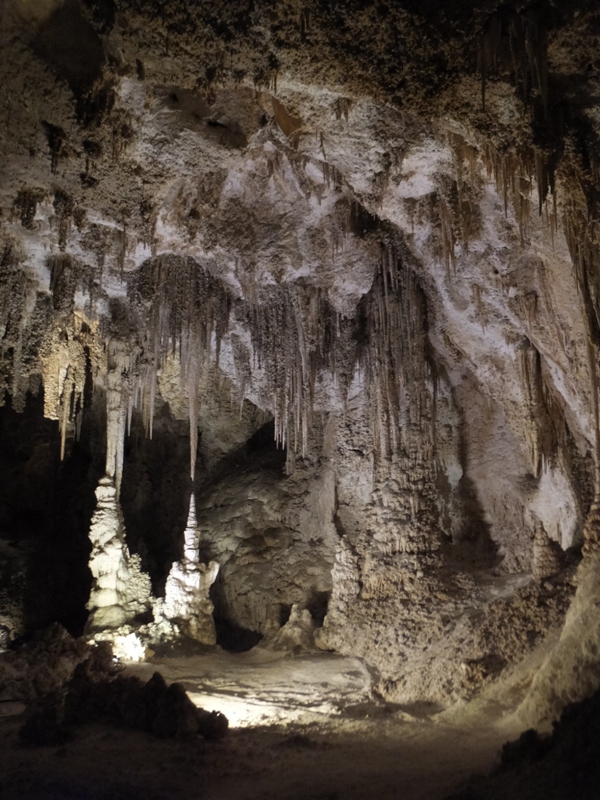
65	682
153	707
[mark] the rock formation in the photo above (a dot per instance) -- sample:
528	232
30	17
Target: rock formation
120	590
368	230
186	601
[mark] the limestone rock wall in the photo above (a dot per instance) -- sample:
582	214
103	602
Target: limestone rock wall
273	536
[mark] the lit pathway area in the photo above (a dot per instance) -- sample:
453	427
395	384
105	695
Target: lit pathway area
302	728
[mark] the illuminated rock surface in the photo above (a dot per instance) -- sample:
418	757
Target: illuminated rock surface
120	591
186	600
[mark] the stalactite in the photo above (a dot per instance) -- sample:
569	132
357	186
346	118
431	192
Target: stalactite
64	207
331	175
447	234
518	41
181	308
25	206
64	356
118	386
122	248
56	143
192	392
305	21
544	424
342	107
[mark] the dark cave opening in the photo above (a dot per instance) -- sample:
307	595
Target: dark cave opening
155	493
285	609
260	451
317	606
45	510
230	636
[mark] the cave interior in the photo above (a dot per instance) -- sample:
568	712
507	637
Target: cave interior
299	351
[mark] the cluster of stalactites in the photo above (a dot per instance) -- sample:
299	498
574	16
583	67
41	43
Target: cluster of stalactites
394	361
455	202
13	323
26	314
66	360
296	335
516	41
519	175
515	176
297	340
182	309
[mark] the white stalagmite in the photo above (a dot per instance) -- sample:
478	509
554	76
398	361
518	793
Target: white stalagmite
190	543
186	600
120	590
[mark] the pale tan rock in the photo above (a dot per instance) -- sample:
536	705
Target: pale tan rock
120	590
297	634
570	671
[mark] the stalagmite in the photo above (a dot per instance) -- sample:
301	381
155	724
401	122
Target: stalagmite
120	590
190	544
186	602
546	558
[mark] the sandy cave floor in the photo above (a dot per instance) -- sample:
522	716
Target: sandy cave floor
303	728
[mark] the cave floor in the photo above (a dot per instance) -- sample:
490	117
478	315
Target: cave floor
303	728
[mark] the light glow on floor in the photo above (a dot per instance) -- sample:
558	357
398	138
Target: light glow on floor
244	713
